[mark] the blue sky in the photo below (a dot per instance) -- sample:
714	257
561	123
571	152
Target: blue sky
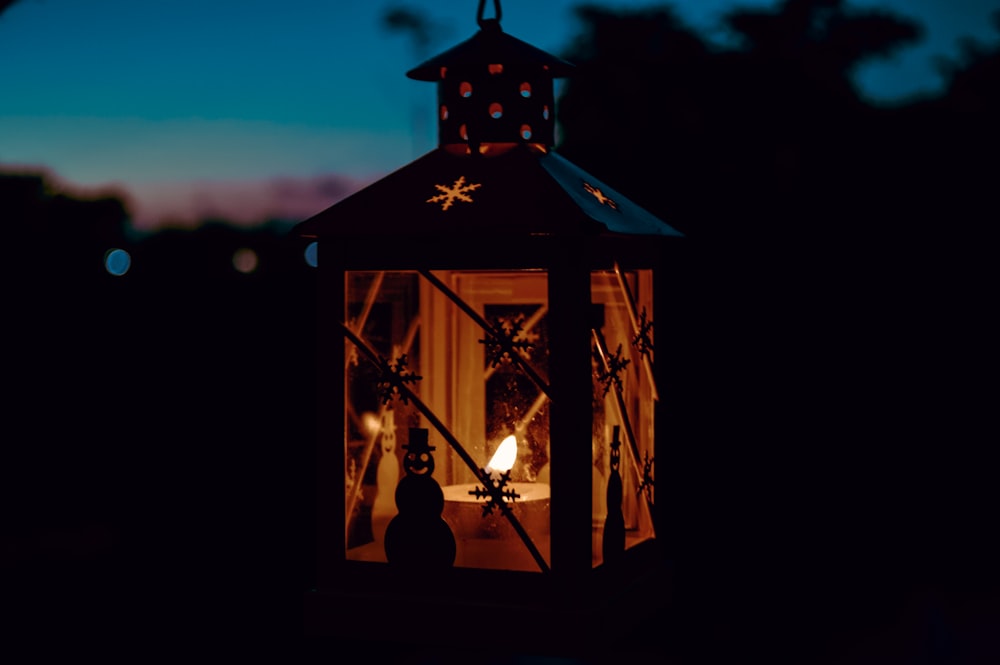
195	106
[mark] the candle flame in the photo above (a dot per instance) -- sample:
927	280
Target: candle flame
503	458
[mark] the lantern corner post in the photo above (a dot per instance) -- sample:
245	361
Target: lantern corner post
330	444
673	374
571	411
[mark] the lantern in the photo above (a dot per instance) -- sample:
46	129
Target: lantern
487	394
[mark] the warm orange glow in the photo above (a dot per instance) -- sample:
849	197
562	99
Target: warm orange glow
503	458
444	71
371	423
491	149
459	191
495	69
600	196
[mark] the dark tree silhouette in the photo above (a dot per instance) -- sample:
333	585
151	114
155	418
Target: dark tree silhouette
633	111
149	419
824	37
973	77
660	112
419	27
6	4
828	315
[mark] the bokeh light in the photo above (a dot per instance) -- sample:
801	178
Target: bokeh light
117	261
245	260
312	254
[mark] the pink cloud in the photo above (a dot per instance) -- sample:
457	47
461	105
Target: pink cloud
248	202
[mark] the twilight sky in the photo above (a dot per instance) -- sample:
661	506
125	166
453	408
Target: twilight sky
253	108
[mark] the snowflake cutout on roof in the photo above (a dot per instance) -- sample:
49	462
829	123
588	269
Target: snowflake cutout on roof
457	192
393	377
601	197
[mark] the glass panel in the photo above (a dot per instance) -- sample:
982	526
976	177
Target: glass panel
383	310
493	396
624	396
470	389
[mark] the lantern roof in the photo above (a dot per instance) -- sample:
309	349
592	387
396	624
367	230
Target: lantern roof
523	191
494	173
490	45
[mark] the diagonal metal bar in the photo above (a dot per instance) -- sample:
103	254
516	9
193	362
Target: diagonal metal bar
633	315
458	448
485	325
602	348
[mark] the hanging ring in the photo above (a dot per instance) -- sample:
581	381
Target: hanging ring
496	10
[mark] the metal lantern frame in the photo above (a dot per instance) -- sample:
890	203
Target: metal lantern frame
492	197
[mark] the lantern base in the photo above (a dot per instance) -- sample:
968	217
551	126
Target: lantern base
607	609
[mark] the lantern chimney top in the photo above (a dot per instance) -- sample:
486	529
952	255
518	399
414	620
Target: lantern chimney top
493	89
490	46
490	23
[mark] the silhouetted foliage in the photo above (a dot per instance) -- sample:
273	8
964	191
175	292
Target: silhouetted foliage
404	19
153	421
658	111
6	4
828	310
824	36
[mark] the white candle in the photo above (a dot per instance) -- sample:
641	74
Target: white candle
464	508
465	493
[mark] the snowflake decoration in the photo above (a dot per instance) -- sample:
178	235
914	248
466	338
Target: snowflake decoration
501	343
457	192
615	366
601	197
349	478
495	490
646	484
643	340
392	377
528	341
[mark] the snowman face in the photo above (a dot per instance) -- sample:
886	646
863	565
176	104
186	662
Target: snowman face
615	458
388	432
418	460
419	463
